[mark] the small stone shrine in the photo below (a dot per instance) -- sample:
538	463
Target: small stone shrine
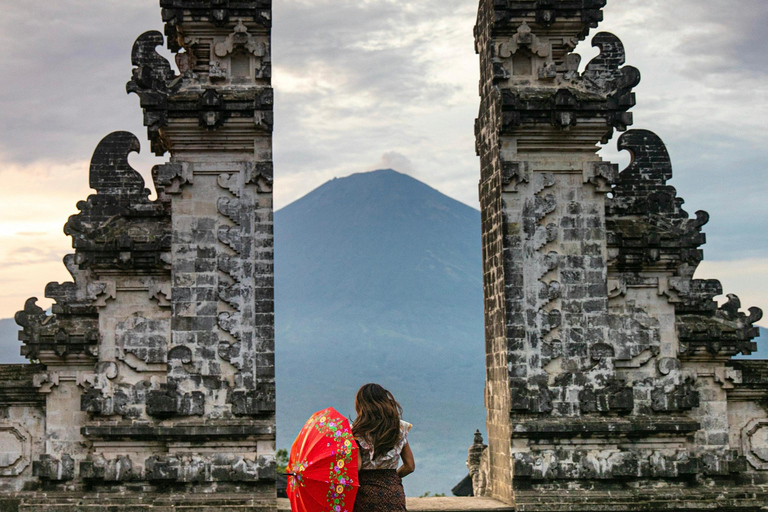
611	383
152	380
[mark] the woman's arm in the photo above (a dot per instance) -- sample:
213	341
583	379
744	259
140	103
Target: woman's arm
409	466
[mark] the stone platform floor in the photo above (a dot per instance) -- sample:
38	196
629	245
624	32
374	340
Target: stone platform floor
451	504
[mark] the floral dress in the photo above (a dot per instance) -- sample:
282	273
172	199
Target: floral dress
381	490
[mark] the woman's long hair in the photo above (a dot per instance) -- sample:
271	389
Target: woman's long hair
378	418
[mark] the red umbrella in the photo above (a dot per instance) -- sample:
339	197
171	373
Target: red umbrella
322	469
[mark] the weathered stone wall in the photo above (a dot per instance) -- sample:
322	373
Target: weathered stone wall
155	378
495	277
608	364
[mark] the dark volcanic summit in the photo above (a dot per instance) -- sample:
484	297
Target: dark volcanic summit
375	241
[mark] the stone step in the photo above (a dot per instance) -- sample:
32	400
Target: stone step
683	499
136	502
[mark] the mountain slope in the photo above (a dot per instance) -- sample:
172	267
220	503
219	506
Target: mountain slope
9	344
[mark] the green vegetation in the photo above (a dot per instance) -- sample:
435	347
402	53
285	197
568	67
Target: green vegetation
281	458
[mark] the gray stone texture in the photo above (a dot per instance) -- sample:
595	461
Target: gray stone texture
153	378
610	384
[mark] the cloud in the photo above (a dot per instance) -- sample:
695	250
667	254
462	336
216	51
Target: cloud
35	202
26	256
356	78
703	64
394	160
59	94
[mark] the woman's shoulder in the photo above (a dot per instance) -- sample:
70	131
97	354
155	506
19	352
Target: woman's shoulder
405	426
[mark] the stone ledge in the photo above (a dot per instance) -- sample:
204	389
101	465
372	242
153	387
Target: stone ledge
754	372
176	432
16	384
680	499
569	427
132	501
451	504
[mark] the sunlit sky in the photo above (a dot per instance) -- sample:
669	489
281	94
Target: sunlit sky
368	84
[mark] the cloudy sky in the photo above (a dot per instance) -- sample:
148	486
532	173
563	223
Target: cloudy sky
367	84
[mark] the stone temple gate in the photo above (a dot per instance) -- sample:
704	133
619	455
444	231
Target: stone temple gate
610	379
153	378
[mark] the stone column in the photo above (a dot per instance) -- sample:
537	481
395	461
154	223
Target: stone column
216	121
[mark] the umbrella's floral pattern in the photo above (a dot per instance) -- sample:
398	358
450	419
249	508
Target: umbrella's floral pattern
297	472
339	480
342	444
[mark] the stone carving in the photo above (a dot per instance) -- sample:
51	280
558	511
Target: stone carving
175	12
101	469
62	334
15	450
119	226
53	469
152	75
171	178
524	38
212	104
239	38
211	107
152	72
755	443
546	12
142	342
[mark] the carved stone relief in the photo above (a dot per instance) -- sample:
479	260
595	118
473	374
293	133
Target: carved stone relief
15	446
754	438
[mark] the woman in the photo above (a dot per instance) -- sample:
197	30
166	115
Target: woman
383	440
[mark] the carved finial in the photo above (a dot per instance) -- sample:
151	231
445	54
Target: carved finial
153	80
111	174
650	158
605	72
152	71
755	315
732	305
31	314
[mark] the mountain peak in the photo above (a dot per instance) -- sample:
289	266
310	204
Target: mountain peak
384	192
382	224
